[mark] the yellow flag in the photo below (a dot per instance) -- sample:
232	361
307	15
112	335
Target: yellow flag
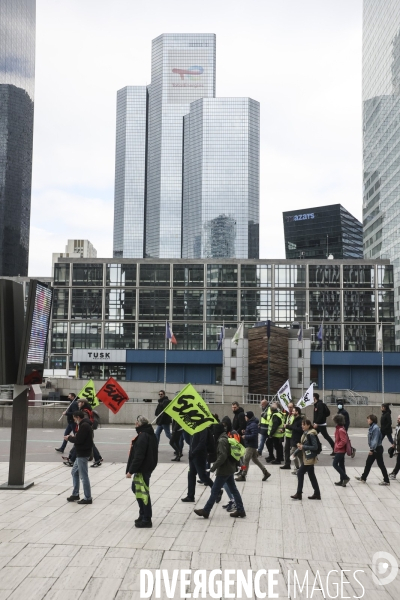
190	411
89	393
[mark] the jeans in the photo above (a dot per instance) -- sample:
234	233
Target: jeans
389	437
159	429
288	442
228	491
69	429
397	467
216	488
251	454
338	464
197	466
80	471
311	474
261	444
324	432
378	457
145	510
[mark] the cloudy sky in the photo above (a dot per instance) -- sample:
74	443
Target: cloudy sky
301	59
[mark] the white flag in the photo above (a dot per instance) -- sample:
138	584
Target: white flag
238	335
285	396
308	398
380	339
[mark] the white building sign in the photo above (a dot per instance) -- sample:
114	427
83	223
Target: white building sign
101	356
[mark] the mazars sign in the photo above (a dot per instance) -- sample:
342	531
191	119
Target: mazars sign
101	356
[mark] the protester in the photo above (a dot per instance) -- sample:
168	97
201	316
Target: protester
309	449
250	438
238	421
264	424
176	441
287	435
225	467
198	464
276	432
396	450
386	423
296	429
227	423
142	461
73	407
83	440
321	411
98	459
163	421
340	450
343	411
375	451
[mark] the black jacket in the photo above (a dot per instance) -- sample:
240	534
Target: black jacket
225	464
73	407
386	422
143	456
343	411
83	438
276	423
319	413
164	419
198	444
296	429
239	420
251	433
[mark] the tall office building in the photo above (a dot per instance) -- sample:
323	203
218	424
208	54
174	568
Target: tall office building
17	79
381	126
154	216
221	179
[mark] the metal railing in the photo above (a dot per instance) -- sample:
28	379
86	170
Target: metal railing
347	397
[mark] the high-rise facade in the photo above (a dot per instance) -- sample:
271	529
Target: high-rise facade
220	208
381	127
153	191
17	79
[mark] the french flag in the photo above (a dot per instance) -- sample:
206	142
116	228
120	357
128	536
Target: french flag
169	334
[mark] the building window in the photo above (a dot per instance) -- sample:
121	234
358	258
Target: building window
154	275
85	335
289	306
59	334
222	304
188	275
386	305
188	335
358	305
120	304
300	377
151	336
324	305
385	276
87	275
233	352
121	275
256	275
359	276
360	338
300	353
233	374
324	276
86	303
256	305
222	275
332	337
290	276
58	362
153	304
103	371
188	304
214	331
60	303
61	274
119	335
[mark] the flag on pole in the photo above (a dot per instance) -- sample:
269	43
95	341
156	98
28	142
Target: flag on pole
112	395
268	329
300	334
320	334
88	393
380	339
221	338
190	411
308	398
285	396
239	334
169	334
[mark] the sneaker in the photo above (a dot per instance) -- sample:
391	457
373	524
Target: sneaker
361	480
97	463
232	509
392	476
188	499
85	501
345	481
339	483
68	463
295	472
59	450
240	478
238	514
144	524
229	505
73	498
266	476
384	483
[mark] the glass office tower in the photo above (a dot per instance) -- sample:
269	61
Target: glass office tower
17	79
130	172
221	179
381	123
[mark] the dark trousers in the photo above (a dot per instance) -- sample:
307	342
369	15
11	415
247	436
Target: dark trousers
389	437
378	457
69	429
278	447
217	487
145	512
397	467
324	432
197	466
311	474
338	464
270	447
288	442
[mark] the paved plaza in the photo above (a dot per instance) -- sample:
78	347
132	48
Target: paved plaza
53	549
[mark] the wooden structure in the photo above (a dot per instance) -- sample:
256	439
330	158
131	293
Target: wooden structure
258	359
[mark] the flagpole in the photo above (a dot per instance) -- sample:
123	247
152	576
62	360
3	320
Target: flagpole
302	359
243	365
223	360
383	365
323	364
165	357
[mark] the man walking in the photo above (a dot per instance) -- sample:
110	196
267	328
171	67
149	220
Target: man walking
225	466
73	407
264	424
287	436
321	412
396	450
83	441
239	420
276	432
198	463
250	438
342	411
142	461
375	451
163	421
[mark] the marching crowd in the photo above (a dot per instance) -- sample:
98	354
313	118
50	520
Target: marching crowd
227	448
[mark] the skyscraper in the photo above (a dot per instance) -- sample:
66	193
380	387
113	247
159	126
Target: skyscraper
17	78
381	123
221	179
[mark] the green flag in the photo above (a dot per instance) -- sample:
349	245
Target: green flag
190	411
89	393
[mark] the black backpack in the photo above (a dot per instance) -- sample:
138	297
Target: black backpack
96	419
319	445
327	412
211	446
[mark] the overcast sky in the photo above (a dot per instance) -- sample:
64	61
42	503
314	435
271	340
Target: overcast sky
301	59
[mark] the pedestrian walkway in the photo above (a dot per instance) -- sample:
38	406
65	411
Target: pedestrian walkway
53	549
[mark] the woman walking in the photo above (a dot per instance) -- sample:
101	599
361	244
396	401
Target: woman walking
309	449
340	449
297	431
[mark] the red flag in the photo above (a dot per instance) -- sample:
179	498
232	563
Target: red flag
112	395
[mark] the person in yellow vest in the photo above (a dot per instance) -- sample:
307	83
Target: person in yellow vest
276	432
263	427
288	435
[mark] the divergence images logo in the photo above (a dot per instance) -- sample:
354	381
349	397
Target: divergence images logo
381	574
192	72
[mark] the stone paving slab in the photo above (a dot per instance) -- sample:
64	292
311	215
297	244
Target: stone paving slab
51	549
